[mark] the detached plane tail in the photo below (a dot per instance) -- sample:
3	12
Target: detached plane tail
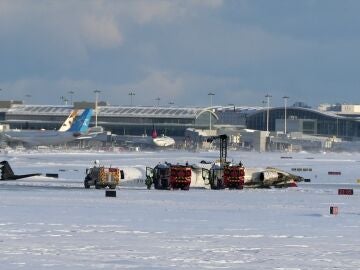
69	121
8	174
81	123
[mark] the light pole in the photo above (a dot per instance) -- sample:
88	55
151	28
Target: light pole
62	98
211	102
131	94
285	107
267	113
71	97
232	104
96	105
158	101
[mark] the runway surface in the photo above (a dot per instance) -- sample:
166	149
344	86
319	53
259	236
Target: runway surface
57	224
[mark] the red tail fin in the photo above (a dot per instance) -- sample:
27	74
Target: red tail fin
154	133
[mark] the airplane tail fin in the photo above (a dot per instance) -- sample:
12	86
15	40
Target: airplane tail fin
81	123
6	171
154	133
68	122
8	174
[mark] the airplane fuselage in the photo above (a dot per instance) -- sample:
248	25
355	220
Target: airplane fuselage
163	141
41	137
51	137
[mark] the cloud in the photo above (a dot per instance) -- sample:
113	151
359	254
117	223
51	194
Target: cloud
45	91
209	3
164	85
100	32
57	35
188	89
144	11
179	50
69	28
48	91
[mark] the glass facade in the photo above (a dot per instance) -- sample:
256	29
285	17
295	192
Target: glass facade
327	124
118	120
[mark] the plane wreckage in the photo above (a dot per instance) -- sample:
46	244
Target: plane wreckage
8	174
217	175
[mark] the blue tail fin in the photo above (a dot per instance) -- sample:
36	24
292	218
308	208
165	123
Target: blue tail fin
81	123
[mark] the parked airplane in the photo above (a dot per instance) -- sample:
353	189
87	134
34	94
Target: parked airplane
153	140
163	141
52	137
8	174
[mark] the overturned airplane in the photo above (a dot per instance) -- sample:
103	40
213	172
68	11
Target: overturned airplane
270	177
8	174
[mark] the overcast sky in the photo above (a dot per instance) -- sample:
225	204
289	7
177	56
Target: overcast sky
180	51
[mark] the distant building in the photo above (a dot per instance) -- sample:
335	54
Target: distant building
309	121
341	109
173	121
137	120
301	104
350	109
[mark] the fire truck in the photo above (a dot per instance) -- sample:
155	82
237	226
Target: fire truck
223	174
169	176
226	175
101	177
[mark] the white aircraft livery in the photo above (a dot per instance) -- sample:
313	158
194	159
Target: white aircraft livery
69	121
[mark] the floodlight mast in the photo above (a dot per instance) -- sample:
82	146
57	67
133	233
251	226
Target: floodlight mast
211	102
267	114
131	94
96	105
285	115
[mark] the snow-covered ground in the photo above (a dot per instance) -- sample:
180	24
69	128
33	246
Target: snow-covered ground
57	224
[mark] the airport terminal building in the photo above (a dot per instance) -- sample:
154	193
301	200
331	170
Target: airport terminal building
173	121
307	121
